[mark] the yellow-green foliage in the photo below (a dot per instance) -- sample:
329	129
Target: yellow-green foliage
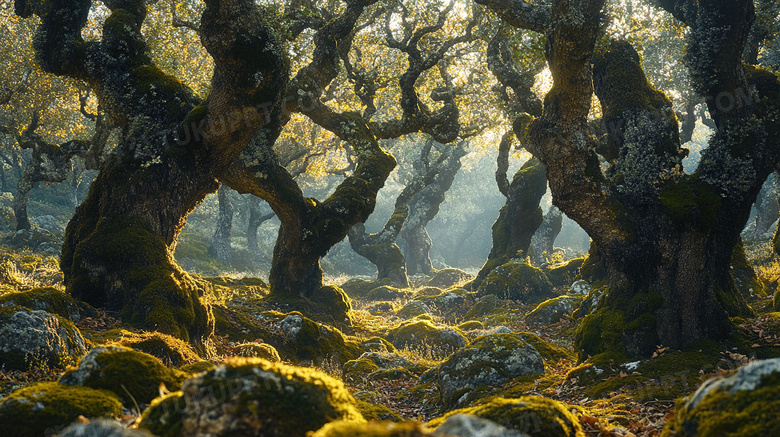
47	407
372	429
745	413
279	399
533	415
131	375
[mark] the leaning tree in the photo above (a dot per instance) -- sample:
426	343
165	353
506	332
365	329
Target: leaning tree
665	237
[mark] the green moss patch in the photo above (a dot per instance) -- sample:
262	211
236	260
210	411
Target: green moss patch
133	376
535	416
438	341
48	407
47	299
517	281
372	429
254	397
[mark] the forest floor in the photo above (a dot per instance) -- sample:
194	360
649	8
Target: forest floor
620	402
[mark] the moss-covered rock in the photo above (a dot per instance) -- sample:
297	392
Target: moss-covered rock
489	360
36	239
168	349
484	306
423	335
258	350
452	301
359	369
249	397
532	415
413	309
474	426
378	344
377	412
588	305
564	274
427	291
746	403
48	407
385	293
47	299
372	429
102	428
199	367
36	338
449	277
517	281
358	288
308	341
133	376
553	310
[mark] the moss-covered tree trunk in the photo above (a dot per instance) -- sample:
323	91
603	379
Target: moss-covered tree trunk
517	220
665	237
521	215
118	247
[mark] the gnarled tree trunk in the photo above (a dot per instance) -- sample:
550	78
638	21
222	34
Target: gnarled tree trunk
665	237
118	247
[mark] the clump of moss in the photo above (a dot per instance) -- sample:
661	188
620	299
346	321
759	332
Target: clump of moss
377	411
744	404
446	278
517	281
372	429
423	334
553	310
168	349
358	369
255	397
483	307
133	376
308	341
564	274
258	350
358	288
199	367
535	416
47	299
47	407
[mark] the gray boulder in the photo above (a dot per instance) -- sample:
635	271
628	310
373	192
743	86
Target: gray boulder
489	360
35	337
101	428
465	425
